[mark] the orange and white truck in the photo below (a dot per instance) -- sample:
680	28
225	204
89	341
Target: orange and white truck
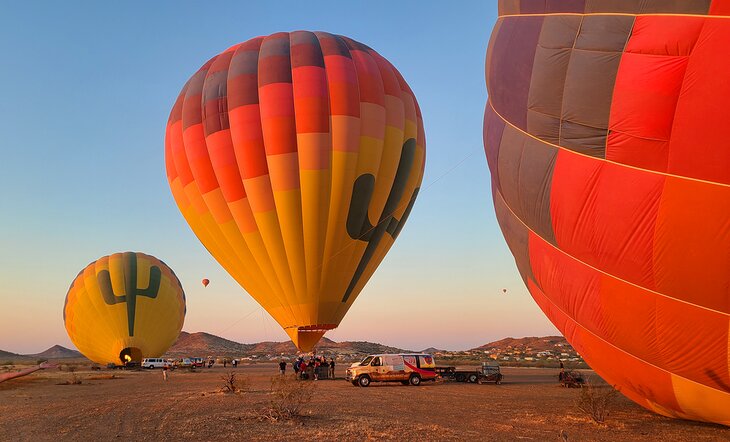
406	368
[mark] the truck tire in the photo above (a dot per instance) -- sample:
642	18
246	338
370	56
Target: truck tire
363	381
460	377
415	380
473	378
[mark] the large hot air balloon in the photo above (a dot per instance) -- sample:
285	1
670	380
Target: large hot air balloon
296	159
124	307
606	137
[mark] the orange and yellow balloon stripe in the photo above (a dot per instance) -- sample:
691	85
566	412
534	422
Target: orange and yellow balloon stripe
281	127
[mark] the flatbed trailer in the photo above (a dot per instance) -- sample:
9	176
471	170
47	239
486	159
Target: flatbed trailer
487	373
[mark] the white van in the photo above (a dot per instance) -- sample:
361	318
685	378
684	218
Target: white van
404	368
154	363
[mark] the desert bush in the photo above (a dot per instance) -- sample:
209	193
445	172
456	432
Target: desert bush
233	383
289	398
104	377
73	379
596	401
67	367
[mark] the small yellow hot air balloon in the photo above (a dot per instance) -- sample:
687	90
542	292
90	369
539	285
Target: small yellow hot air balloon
124	307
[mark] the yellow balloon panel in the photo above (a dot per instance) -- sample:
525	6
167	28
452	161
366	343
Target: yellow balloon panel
124	307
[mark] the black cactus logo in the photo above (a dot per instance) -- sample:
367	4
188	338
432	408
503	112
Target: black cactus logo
130	287
358	225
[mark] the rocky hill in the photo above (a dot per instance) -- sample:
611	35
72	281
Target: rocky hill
432	350
204	344
7	355
56	352
533	343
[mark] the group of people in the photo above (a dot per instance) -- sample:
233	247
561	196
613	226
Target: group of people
311	368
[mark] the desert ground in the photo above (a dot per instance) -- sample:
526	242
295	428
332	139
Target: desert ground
139	405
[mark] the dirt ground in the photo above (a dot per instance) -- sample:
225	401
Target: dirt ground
139	405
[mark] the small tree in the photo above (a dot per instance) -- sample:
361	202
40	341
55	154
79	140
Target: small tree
289	398
596	401
232	383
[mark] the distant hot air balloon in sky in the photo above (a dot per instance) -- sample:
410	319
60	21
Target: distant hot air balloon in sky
124	307
296	159
606	133
504	290
205	282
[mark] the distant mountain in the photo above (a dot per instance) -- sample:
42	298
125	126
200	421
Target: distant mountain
205	344
432	350
534	343
356	348
56	352
7	355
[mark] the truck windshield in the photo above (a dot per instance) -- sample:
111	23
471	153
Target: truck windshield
366	361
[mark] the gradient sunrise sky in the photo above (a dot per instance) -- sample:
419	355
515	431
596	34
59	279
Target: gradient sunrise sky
86	91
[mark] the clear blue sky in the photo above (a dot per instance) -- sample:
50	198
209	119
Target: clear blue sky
85	92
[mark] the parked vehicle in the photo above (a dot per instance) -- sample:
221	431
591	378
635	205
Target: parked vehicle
153	363
571	379
198	362
184	362
408	369
487	373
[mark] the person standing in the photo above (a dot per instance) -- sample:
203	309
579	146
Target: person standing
282	367
164	372
332	368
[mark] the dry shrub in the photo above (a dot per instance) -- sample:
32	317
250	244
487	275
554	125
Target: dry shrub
72	380
232	383
103	377
596	401
289	398
68	367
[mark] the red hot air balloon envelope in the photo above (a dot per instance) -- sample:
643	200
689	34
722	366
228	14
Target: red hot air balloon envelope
296	159
606	138
205	282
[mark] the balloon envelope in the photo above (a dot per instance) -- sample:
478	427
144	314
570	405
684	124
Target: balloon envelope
205	282
610	171
124	307
296	158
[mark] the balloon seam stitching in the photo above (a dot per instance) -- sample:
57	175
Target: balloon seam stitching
628	166
604	272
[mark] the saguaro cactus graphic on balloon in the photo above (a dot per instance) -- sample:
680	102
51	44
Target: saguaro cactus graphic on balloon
130	287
